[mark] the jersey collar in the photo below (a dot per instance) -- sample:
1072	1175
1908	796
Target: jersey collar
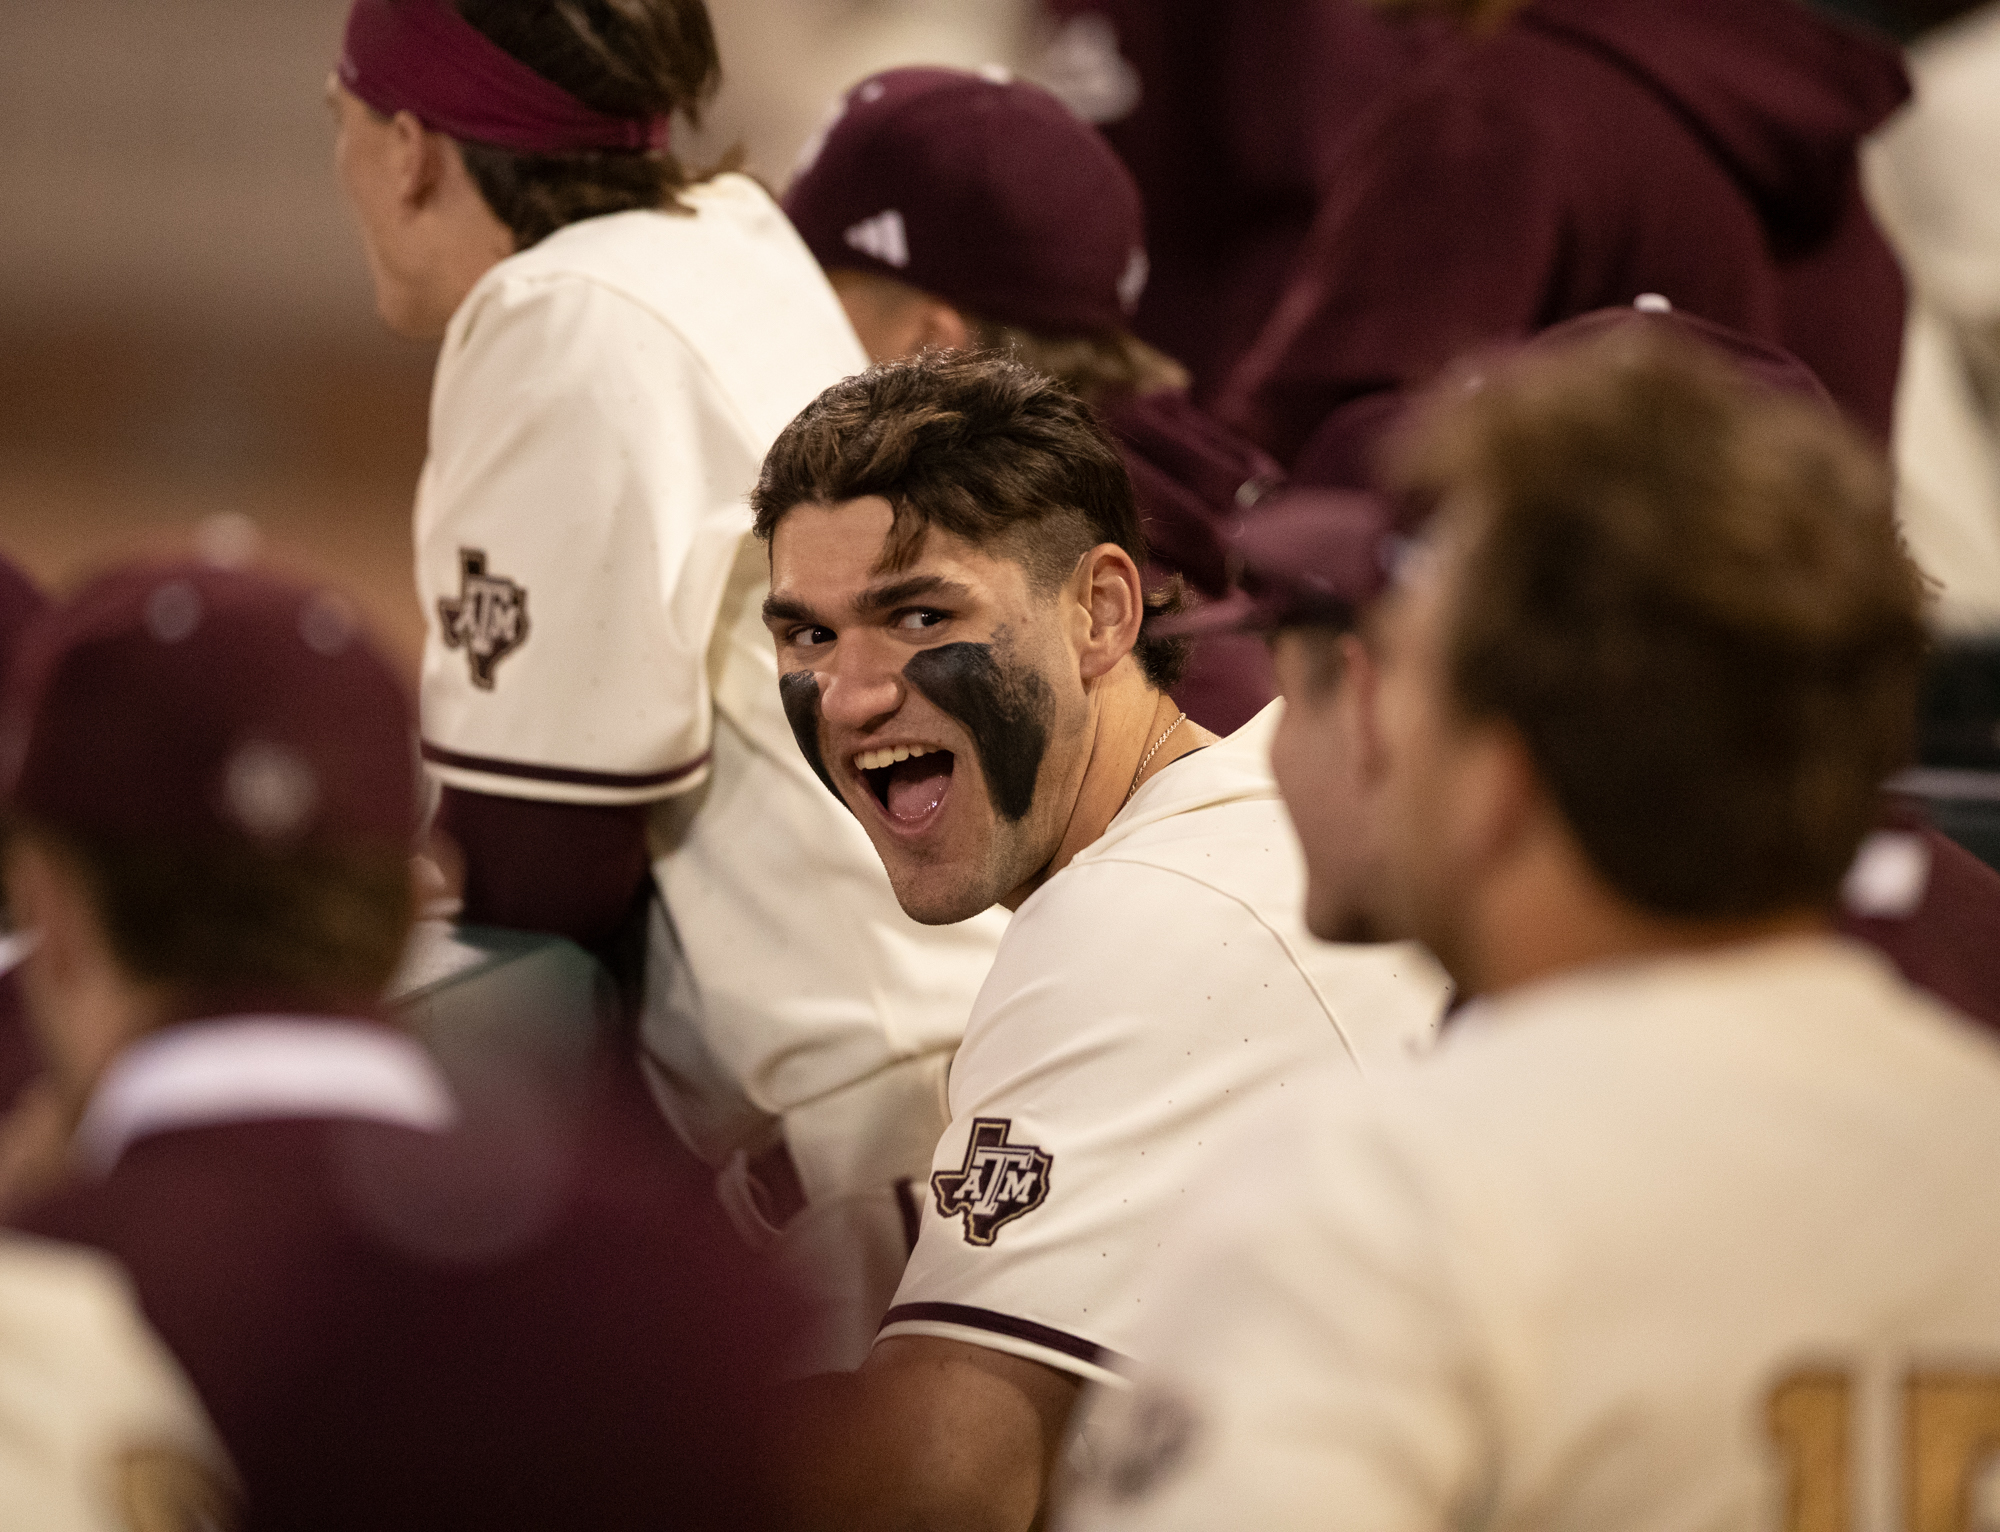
258	1069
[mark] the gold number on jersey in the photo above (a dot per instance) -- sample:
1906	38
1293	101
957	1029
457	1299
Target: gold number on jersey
1951	1434
1808	1416
1951	1425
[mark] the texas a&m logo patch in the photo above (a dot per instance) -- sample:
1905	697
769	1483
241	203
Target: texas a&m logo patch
997	1183
488	618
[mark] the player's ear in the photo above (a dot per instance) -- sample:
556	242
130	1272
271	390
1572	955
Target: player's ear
417	159
1507	808
46	896
1109	599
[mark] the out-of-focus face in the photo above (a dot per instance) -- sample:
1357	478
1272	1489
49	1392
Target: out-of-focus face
365	162
943	702
1328	766
70	982
893	320
426	231
1445	778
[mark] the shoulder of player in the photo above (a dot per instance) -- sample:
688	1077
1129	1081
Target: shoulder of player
559	306
74	1338
642	300
1143	902
730	238
1129	954
59	1280
1329	1161
1612	1057
1224	841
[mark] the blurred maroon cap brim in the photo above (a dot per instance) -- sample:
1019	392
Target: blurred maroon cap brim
1304	557
1760	361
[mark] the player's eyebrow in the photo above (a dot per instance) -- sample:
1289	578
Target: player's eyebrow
883	598
779	609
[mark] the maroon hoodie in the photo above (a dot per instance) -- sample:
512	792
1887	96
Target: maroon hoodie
1194	479
1239	113
1584	153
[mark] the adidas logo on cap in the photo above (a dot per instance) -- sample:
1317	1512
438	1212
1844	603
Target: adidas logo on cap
1132	283
883	237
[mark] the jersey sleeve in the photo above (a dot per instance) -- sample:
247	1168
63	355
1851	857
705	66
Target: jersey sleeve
1099	1064
579	513
1306	1348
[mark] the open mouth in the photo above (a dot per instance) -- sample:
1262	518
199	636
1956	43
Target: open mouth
909	781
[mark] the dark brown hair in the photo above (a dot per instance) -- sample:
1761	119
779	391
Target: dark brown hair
980	446
1688	594
226	918
628	58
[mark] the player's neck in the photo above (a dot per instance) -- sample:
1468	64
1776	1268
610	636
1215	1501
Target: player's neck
1549	914
1133	717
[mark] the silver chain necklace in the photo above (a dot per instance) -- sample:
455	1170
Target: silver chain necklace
1147	759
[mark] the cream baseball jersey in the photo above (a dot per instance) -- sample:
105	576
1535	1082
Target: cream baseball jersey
1703	1241
99	1428
1155	993
602	405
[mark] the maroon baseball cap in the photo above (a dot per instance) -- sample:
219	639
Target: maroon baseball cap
1305	558
982	190
1771	366
180	702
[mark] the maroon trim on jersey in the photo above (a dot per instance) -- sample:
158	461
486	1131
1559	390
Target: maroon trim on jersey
1007	1325
569	775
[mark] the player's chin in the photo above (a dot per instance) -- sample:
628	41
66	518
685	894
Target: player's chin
945	877
939	894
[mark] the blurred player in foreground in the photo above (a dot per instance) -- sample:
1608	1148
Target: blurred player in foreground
622	341
1923	899
498	1302
956	210
1307	575
99	1430
959	616
1691	1218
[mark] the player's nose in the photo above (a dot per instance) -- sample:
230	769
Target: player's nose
858	690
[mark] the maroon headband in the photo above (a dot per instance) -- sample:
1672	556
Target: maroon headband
422	57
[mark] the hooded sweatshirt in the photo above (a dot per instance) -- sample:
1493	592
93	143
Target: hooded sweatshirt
1229	114
1584	153
1194	480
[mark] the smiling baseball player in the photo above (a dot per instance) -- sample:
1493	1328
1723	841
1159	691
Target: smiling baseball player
964	639
1690	1220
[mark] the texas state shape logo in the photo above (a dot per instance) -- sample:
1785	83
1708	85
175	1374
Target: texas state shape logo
488	618
997	1183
